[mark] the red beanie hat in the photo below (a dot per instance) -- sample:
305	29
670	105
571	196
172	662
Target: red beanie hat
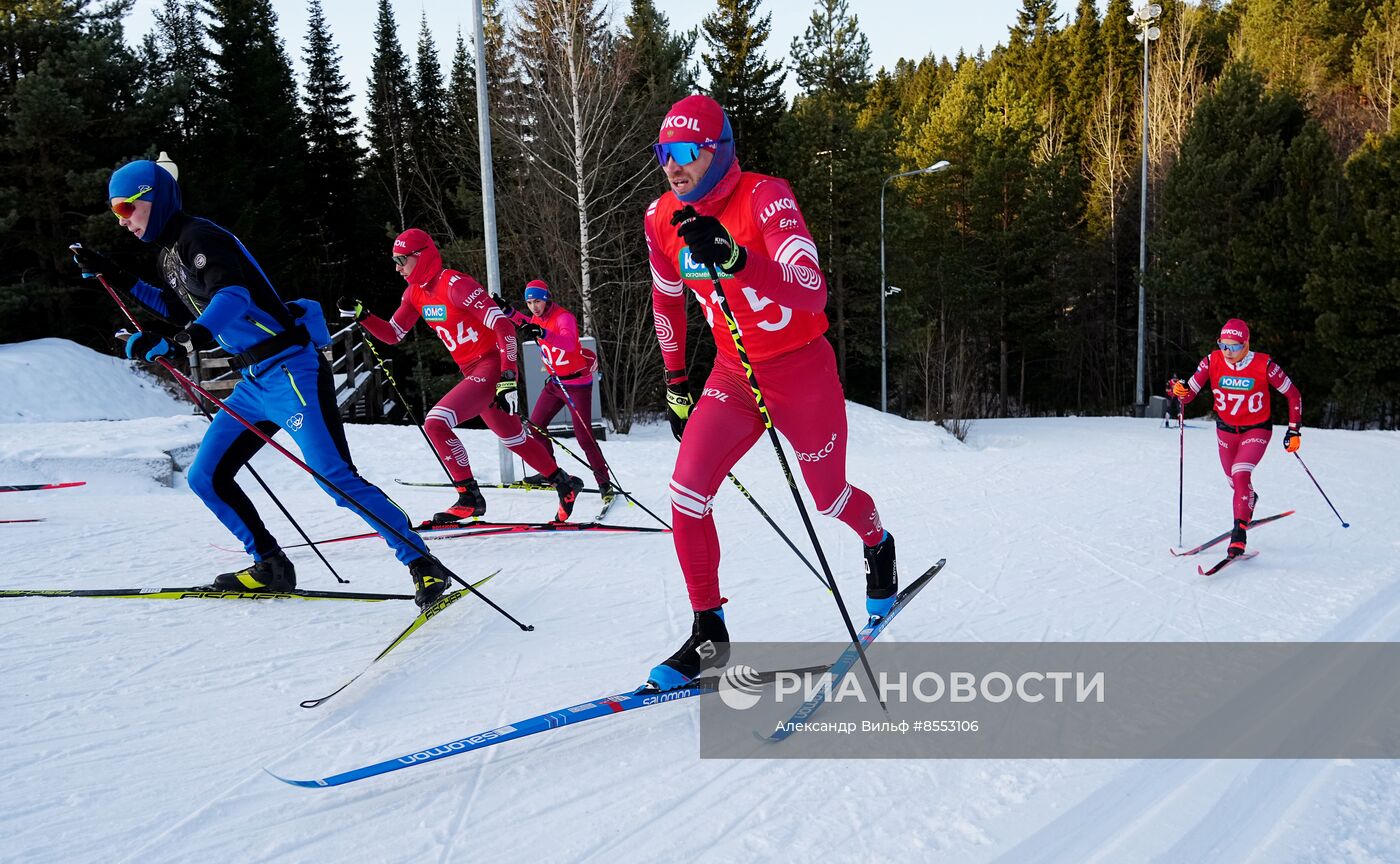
695	118
1235	329
416	241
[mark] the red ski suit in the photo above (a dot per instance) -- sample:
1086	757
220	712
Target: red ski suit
1242	427
569	366
778	300
482	341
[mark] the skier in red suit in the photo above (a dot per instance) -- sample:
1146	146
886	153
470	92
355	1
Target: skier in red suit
570	367
748	226
1240	380
482	342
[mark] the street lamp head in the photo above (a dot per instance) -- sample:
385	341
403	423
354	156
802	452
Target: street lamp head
940	165
890	291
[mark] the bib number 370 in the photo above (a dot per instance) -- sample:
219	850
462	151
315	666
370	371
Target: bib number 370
1231	403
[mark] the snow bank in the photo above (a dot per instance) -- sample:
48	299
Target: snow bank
70	413
58	380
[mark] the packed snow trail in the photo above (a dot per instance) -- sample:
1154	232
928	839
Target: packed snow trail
138	731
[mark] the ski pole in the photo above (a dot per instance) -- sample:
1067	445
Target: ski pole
1181	475
743	353
192	388
1345	523
207	416
577	416
408	412
774	525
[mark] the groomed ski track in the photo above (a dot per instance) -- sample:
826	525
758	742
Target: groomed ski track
138	732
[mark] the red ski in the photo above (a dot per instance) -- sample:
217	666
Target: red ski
34	487
1214	540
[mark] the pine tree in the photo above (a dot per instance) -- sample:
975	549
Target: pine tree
1086	69
1357	291
833	69
743	81
427	131
253	179
661	68
388	116
334	155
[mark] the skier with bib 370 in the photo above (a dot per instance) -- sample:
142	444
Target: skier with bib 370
749	228
1240	380
482	342
217	294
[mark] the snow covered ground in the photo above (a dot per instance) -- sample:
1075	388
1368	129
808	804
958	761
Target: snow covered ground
139	730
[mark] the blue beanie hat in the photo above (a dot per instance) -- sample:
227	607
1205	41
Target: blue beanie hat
164	193
537	290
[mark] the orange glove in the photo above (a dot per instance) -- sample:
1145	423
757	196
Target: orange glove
1180	390
1292	440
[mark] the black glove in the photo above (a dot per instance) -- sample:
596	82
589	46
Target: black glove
351	308
1292	439
149	347
709	241
507	392
93	263
502	304
678	401
532	331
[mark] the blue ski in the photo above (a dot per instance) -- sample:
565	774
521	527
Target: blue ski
605	707
848	658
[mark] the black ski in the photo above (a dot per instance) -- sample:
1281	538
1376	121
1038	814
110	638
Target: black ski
1225	562
198	593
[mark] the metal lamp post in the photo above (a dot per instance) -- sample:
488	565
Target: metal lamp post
1144	19
885	290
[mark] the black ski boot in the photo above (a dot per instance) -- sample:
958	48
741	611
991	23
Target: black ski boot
471	504
881	577
608	491
274	573
707	648
429	580
1237	538
568	488
535	480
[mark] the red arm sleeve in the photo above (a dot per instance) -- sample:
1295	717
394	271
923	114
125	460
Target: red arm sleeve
786	270
667	301
1279	380
464	291
1198	380
391	332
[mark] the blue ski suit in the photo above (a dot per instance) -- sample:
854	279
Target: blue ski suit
214	286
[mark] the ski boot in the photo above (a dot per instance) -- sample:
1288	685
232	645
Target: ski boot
535	480
707	648
608	492
274	573
471	504
881	577
429	581
1237	539
568	488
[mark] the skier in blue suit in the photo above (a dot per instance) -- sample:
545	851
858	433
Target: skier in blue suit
216	293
